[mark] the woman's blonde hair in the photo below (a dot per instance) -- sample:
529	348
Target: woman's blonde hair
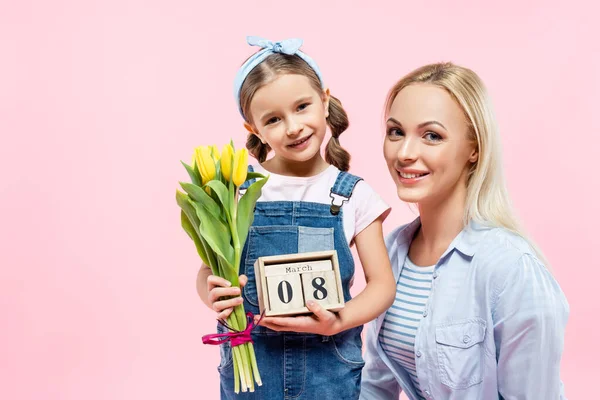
278	64
487	201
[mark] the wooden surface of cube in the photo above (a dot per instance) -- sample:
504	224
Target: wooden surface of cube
282	282
285	293
298	268
321	287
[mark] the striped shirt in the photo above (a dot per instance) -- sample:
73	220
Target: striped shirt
397	336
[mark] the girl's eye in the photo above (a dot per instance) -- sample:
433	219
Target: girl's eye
303	106
432	137
271	120
395	133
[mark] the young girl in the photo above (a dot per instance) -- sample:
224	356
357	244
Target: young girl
308	204
477	315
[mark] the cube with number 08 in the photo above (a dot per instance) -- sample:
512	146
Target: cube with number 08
286	282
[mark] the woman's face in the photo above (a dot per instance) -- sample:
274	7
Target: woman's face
427	146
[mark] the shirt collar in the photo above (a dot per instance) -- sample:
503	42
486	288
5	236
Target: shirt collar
465	242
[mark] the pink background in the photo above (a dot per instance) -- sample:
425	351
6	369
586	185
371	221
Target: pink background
99	100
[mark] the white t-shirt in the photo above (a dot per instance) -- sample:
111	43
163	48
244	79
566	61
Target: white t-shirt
364	206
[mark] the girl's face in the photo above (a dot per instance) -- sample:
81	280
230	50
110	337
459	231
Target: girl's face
427	148
289	115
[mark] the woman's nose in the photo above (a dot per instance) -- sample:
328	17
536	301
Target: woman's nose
408	150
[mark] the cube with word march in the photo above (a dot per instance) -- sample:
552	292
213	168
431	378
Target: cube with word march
285	283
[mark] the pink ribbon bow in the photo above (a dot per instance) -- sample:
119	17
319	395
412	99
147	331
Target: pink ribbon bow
235	337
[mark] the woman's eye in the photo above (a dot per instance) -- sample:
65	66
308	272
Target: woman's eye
432	137
271	120
303	106
395	132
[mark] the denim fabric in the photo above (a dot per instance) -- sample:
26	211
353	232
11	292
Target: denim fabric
294	365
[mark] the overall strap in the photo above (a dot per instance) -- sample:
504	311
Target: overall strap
342	190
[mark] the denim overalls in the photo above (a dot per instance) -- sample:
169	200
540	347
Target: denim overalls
297	365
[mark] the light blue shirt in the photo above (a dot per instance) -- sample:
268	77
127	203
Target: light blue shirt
493	326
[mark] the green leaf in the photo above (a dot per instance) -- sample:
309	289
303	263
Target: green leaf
192	221
215	232
191	231
183	202
212	257
227	270
245	212
232	194
198	194
253	174
218	175
193	173
222	193
198	216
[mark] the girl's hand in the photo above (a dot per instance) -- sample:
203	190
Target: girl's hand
323	322
220	287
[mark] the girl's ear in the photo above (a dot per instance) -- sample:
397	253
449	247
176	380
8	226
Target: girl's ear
325	98
252	131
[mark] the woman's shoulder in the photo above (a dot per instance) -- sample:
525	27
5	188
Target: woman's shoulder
501	244
512	266
500	253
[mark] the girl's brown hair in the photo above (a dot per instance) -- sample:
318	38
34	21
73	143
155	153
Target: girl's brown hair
278	64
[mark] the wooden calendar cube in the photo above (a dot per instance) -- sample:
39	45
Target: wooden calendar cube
320	287
285	293
284	283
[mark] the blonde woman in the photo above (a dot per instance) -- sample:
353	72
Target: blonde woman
477	314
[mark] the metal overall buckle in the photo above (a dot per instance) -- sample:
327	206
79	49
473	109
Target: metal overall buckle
335	208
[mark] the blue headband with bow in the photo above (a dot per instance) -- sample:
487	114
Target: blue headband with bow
288	46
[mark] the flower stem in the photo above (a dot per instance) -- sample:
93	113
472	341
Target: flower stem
255	372
236	377
239	356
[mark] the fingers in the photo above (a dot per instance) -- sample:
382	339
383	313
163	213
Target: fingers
279	321
268	323
291	324
319	312
224	314
216	281
322	322
220	288
216	293
222	305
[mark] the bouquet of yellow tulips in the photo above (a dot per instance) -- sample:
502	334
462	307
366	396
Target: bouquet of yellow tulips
217	219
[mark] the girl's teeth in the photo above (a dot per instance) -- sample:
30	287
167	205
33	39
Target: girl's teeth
300	142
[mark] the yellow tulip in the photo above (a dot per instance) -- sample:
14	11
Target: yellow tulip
214	152
240	167
226	161
194	157
205	163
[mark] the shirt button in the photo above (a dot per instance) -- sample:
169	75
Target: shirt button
435	274
427	393
425	313
419	354
466	339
